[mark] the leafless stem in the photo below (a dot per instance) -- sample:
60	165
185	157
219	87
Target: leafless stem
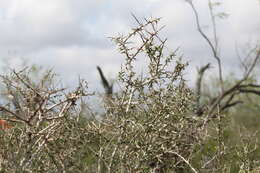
213	48
201	72
186	161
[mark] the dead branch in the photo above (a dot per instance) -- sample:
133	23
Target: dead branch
108	87
212	47
227	95
237	86
201	72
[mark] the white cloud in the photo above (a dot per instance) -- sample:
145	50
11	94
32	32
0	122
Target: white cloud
71	36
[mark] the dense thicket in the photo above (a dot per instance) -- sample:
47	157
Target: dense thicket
154	123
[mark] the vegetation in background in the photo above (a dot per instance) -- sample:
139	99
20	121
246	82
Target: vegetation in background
155	123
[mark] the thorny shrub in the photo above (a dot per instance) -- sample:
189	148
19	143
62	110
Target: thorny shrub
150	125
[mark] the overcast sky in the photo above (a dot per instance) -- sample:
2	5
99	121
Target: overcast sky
71	36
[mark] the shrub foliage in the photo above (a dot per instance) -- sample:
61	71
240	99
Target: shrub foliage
151	125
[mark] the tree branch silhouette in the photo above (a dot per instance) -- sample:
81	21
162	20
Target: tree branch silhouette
108	87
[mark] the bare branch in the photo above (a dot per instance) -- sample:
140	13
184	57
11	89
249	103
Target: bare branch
226	106
213	48
201	72
250	91
186	161
237	86
108	87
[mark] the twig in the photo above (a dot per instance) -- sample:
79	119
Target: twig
182	158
